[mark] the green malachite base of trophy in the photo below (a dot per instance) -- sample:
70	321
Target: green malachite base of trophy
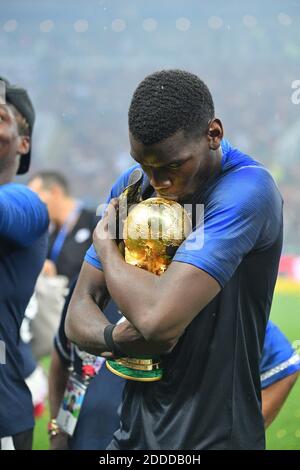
140	370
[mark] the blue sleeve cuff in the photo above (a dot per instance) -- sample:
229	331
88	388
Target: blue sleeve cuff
93	261
279	372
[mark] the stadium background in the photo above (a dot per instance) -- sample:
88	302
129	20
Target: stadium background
81	62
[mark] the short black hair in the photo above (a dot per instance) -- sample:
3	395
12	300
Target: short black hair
52	178
168	101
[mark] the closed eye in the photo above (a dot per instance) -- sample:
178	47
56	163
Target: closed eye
175	165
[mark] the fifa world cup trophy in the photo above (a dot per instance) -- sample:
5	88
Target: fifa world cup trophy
152	232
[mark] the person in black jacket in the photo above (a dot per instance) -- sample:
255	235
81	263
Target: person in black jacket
71	227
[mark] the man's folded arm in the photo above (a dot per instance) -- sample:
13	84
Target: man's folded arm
160	307
85	321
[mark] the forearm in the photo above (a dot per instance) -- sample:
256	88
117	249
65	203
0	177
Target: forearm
132	343
274	396
131	288
85	324
58	377
89	334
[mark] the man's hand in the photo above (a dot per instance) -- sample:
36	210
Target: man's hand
59	442
127	337
130	340
104	235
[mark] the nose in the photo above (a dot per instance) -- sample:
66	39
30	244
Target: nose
160	181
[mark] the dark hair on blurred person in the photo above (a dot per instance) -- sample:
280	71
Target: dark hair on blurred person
168	101
52	178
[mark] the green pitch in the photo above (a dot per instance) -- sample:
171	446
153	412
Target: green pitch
284	433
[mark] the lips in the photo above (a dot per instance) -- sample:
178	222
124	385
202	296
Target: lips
172	197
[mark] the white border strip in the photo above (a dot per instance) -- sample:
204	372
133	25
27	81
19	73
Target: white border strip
294	359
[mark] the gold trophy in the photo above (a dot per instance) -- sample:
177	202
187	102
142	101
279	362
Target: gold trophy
152	232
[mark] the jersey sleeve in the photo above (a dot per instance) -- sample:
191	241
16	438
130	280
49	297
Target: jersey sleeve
279	359
244	213
91	255
23	216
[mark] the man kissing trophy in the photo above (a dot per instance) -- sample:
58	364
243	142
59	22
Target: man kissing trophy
152	230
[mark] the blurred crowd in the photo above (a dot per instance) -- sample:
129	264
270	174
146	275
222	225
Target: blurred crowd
81	84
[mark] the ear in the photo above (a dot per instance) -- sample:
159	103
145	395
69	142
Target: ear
24	145
215	134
